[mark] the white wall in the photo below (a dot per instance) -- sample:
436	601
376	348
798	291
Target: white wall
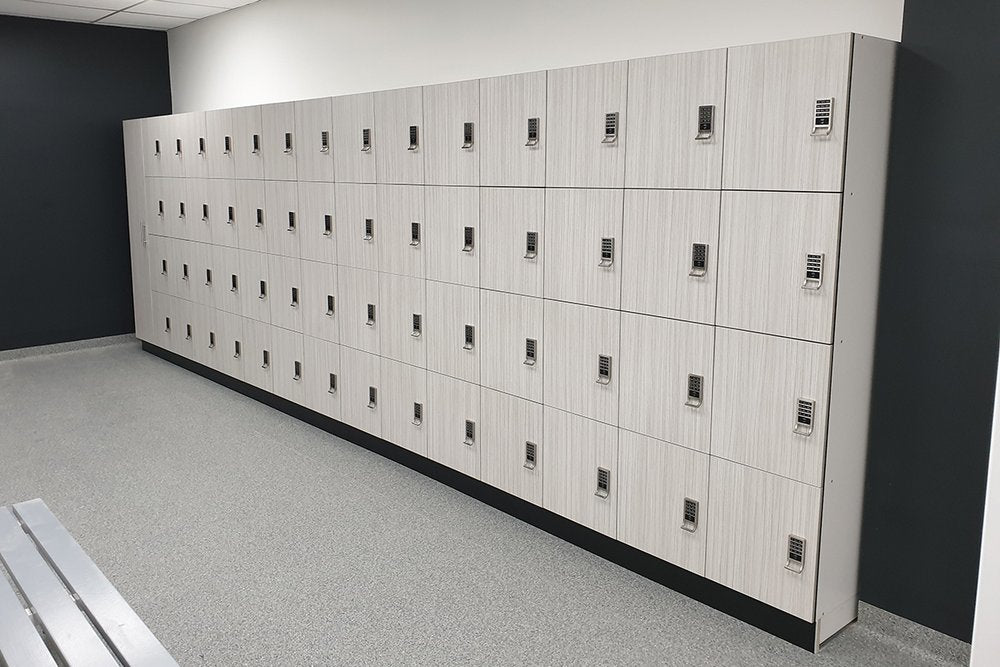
276	50
985	638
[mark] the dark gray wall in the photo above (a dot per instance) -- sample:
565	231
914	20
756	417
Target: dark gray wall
939	315
64	257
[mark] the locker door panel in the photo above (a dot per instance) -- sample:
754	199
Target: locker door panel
453	331
196	145
200	210
772	139
164	321
778	270
402	247
185	255
666	379
285	292
453	235
581	360
576	451
360	405
221	143
228	279
281	206
229	344
358	229
157	207
279	141
401	150
512	225
586	146
314	133
174	146
223	208
751	517
248	143
138	233
317	240
323	376
257	354
353	120
513	455
289	369
402	323
451	115
252	216
207	349
759	383
191	330
159	259
177	211
674	141
512	359
512	138
663	500
255	287
203	275
320	301
583	231
404	388
453	419
670	251
153	147
360	312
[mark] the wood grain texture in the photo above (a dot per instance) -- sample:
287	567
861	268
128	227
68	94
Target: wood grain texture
450	403
158	252
256	341
402	386
771	94
508	320
576	221
351	115
135	192
219	125
395	112
358	288
229	332
285	283
360	371
194	134
322	358
447	107
281	201
750	517
402	297
152	132
254	271
222	198
657	355
354	204
203	277
175	212
449	309
246	124
449	211
506	217
316	202
575	336
398	207
250	199
655	477
577	100
196	193
508	422
765	237
181	263
758	380
318	286
156	196
287	350
277	120
226	263
312	119
506	104
664	94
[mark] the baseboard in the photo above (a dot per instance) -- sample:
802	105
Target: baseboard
774	621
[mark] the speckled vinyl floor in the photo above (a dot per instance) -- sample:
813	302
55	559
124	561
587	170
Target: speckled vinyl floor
244	537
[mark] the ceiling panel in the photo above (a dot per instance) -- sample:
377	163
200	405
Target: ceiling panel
162	8
152	14
110	5
49	11
128	19
227	4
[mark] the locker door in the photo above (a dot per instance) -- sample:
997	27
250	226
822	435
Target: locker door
402	248
512	222
320	301
165	321
281	201
138	231
314	131
757	523
360	312
581	470
289	369
195	145
453	330
174	146
663	500
512	139
203	275
453	235
228	279
586	133
512	451
581	360
199	213
251	216
191	327
583	234
778	263
771	401
279	147
222	206
286	292
221	143
157	207
404	399
353	141
154	146
666	379
160	264
786	112
177	210
358	230
254	286
454	423
184	275
257	354
323	378
451	115
671	250
248	143
676	107
512	344
317	240
399	120
361	401
403	316
206	339
229	344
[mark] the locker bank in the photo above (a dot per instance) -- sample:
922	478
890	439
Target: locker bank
498	333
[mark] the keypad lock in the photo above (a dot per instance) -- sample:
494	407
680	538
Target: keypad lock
805	413
470	432
533	133
530	455
324	142
823	117
814	271
603	369
468	239
607	253
418	414
369	230
603	483
414	138
366	140
699	260
414	234
531	245
288	143
468	135
706	122
610	128
796	554
689	521
695	387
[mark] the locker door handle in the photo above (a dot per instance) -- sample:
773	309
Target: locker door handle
470	337
414	234
295	297
814	271
255	144
266	359
260	218
178	152
327	225
805	413
530	351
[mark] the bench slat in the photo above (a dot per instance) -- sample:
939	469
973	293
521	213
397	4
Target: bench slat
121	626
75	639
20	644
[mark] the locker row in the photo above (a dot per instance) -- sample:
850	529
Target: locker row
651	122
759	261
641	490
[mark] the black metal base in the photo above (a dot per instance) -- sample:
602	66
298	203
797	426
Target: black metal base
774	621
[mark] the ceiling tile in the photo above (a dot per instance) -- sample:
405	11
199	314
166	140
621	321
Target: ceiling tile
161	8
111	5
152	21
49	11
226	4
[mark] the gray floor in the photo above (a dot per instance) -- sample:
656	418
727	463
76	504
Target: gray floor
242	536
